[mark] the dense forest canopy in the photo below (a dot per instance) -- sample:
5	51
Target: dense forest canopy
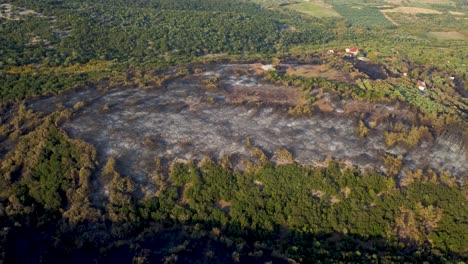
83	30
164	33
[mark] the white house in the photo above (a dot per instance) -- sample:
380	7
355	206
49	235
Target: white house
421	85
353	50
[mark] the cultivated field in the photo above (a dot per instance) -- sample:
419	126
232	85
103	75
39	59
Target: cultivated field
313	9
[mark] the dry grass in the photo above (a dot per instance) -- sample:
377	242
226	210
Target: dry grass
283	156
456	13
346	191
334	200
318	71
412	10
317	193
406	226
214	55
222	204
324	105
452	35
184	199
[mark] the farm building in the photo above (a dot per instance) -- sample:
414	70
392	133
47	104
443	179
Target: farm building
353	51
421	85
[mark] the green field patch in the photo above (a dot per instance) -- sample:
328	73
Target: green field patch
363	16
414	97
312	9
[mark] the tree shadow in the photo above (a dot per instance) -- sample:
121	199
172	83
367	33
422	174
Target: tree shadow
202	242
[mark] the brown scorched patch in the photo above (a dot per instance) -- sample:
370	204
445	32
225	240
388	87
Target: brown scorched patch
265	95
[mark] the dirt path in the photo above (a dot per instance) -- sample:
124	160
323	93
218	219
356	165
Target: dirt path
389	18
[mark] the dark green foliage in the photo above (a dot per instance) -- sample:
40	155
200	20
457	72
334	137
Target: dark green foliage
49	179
156	33
330	214
144	31
47	173
19	86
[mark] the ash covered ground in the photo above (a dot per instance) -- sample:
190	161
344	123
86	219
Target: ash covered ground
186	120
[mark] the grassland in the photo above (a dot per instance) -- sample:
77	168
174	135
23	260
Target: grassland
313	9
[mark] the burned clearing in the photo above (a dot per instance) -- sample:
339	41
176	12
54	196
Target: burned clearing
187	120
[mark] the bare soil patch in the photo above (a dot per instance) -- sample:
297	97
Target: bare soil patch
214	55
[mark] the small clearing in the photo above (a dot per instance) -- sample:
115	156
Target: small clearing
412	10
452	35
